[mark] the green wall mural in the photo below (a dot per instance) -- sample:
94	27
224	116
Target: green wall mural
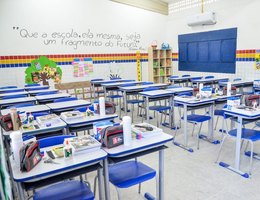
43	69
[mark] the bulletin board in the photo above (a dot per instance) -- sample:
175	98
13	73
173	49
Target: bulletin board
212	51
82	67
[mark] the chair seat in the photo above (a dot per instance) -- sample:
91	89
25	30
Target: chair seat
197	118
248	134
75	190
159	108
127	174
115	96
135	101
219	112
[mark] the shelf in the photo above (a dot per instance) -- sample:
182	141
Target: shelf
159	65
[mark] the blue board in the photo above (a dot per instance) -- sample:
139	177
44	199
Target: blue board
213	51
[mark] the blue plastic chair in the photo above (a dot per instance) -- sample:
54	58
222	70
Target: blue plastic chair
8	87
147	83
97	89
208	77
21	105
32	84
193	79
13	90
185	75
65	99
249	135
237	79
129	173
71	189
46	93
14	96
157	108
33	89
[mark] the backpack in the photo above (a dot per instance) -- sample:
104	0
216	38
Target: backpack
112	136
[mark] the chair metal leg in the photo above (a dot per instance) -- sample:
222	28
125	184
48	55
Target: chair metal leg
132	108
118	193
251	157
193	129
157	116
246	145
198	137
139	188
216	123
220	148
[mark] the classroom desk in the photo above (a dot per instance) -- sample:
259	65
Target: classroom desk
50	97
238	84
158	95
58	126
185	80
241	115
35	92
9	102
80	163
116	85
195	104
137	88
98	84
29	109
67	105
74	125
210	81
13	93
139	148
11	90
40	87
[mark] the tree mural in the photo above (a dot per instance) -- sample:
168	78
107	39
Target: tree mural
43	69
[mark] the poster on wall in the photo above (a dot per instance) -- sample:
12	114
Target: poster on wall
257	59
42	70
82	67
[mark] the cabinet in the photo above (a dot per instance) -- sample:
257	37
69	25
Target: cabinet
159	65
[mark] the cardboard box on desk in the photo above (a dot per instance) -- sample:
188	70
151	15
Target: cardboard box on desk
48	120
233	102
71	115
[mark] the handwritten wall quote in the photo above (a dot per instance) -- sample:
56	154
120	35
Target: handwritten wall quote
88	38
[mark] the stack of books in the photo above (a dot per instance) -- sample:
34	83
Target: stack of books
71	115
48	119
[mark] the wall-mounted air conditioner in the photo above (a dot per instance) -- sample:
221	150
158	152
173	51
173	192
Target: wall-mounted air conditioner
207	18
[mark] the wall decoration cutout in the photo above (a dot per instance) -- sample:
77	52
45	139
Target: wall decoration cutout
82	67
42	70
257	59
114	71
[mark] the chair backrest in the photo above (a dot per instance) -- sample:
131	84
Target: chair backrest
81	109
174	77
208	77
33	84
128	85
97	79
184	94
147	83
21	105
117	78
8	87
237	79
65	99
195	78
185	75
150	89
14	90
173	86
54	140
46	93
14	96
38	114
40	88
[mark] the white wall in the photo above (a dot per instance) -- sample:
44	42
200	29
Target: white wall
243	14
25	23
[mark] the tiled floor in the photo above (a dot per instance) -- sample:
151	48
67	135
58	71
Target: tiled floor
196	176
